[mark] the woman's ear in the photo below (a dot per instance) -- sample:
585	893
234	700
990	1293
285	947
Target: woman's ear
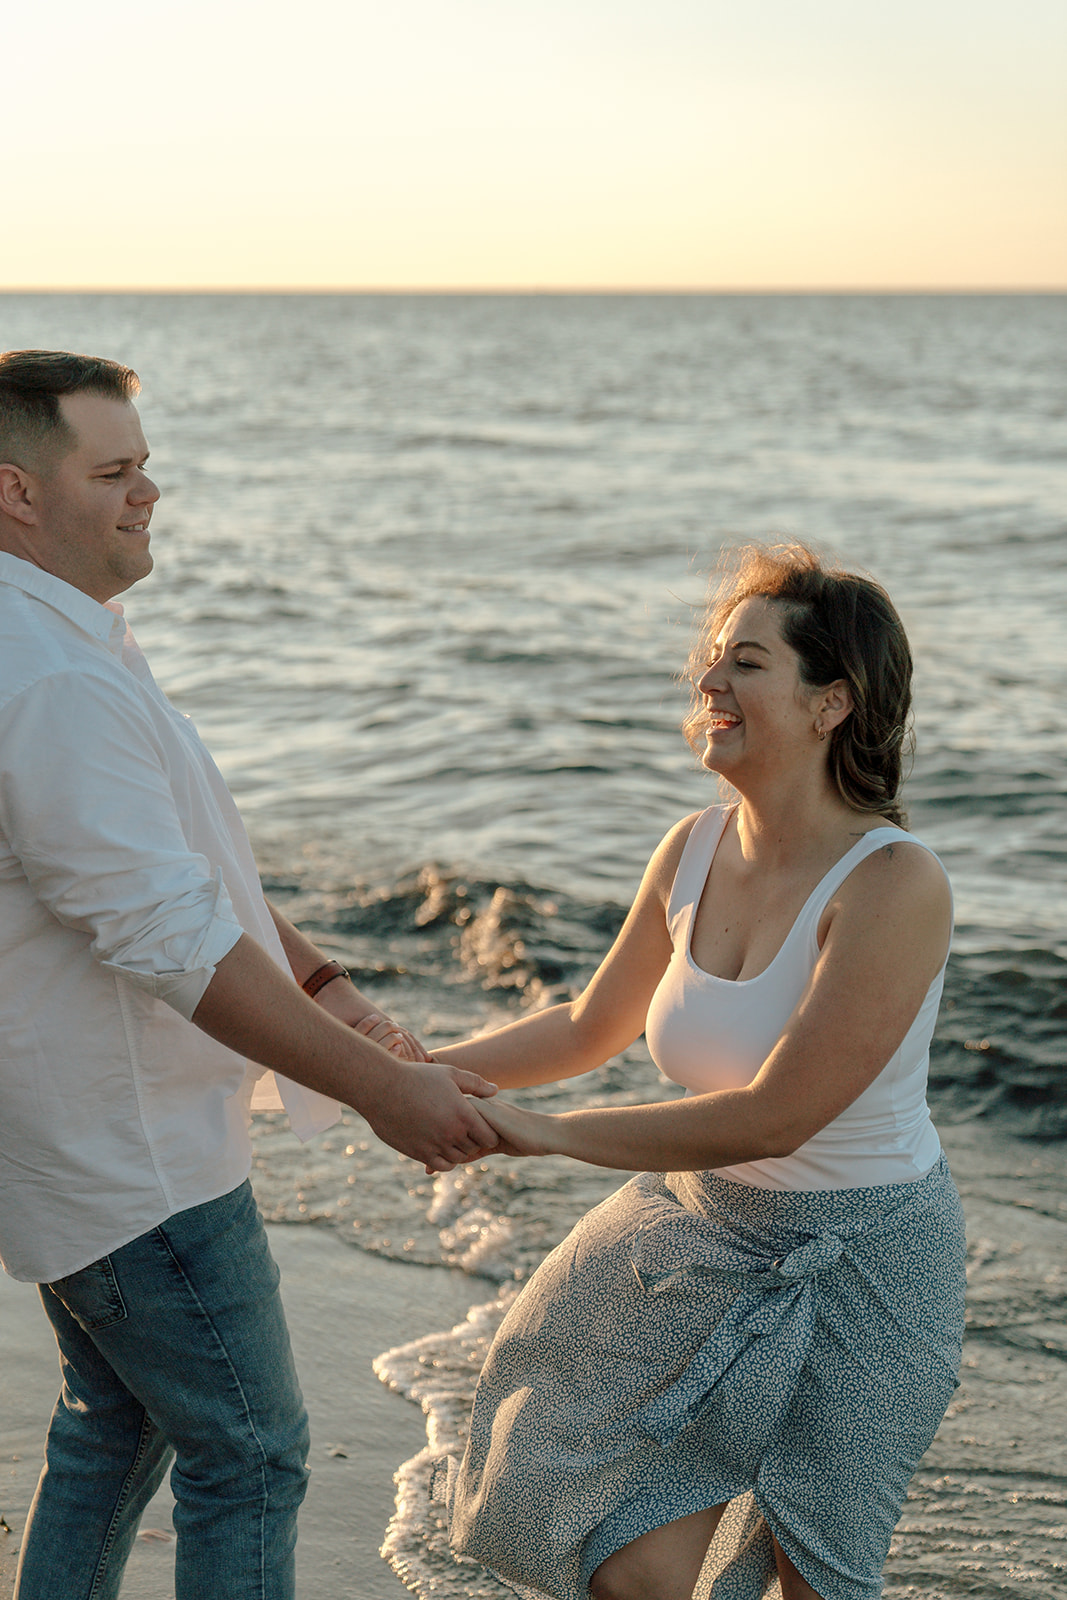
835	704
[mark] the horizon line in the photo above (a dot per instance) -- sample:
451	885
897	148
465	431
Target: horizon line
534	289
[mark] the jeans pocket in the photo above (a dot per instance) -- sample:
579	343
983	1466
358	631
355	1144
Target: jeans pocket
92	1296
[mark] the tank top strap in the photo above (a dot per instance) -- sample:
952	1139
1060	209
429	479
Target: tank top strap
811	914
692	871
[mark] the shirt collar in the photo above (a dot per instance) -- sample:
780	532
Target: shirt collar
103	622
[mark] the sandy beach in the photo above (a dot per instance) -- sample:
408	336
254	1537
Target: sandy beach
428	568
987	1514
344	1307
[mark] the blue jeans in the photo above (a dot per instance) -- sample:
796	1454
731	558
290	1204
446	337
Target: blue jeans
175	1345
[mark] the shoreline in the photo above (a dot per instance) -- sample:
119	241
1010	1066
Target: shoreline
988	1504
343	1307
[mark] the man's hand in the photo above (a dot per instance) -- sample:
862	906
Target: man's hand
425	1111
422	1116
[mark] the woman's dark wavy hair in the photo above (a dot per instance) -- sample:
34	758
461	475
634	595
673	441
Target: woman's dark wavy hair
842	626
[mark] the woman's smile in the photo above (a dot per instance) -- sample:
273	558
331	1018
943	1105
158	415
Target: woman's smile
722	721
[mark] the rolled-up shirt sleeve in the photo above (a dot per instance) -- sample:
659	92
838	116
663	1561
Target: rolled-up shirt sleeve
87	808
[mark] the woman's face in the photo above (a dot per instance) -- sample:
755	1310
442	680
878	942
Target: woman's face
757	713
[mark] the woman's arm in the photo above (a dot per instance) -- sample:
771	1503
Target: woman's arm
610	1012
887	939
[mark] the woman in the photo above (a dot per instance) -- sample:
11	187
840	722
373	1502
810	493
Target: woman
773	1309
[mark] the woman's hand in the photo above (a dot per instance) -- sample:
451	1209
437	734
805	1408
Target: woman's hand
522	1133
398	1041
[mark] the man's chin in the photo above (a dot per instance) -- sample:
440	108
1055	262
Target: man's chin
119	585
135	572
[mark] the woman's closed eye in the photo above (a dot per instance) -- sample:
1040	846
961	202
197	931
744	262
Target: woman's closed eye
724	659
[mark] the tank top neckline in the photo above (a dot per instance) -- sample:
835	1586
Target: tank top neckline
737	983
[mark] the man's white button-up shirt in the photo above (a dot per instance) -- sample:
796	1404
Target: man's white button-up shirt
125	877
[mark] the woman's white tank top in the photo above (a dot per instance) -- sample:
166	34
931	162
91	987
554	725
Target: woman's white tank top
714	1033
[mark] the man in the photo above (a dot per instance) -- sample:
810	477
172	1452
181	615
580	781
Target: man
141	970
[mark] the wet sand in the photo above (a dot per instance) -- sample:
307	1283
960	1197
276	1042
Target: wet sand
344	1308
987	1513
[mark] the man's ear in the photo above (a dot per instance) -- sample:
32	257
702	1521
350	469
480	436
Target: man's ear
16	493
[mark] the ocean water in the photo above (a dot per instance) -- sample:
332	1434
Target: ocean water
427	568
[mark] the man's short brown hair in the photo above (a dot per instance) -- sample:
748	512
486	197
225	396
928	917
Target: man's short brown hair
33	431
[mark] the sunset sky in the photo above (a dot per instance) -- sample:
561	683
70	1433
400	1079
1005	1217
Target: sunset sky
536	143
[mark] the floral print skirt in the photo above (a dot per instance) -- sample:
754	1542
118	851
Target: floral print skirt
695	1341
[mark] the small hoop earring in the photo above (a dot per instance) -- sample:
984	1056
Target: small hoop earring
822	734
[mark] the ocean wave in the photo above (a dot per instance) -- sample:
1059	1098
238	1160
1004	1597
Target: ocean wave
1001	1039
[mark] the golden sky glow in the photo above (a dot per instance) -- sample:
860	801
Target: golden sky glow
536	143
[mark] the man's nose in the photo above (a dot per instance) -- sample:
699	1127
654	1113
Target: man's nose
144	491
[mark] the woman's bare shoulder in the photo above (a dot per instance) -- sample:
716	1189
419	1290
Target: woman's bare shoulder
900	871
893	910
663	866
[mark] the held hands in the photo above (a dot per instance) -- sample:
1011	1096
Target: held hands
453	1122
344	1001
398	1041
433	1113
522	1132
517	1132
427	1110
500	1128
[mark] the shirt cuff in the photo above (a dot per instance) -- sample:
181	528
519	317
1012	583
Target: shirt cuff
183	987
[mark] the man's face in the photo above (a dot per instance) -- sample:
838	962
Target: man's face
94	506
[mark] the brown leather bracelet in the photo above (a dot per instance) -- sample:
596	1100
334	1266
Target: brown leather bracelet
322	976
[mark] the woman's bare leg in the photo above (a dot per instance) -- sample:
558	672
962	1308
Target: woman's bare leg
661	1565
794	1587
